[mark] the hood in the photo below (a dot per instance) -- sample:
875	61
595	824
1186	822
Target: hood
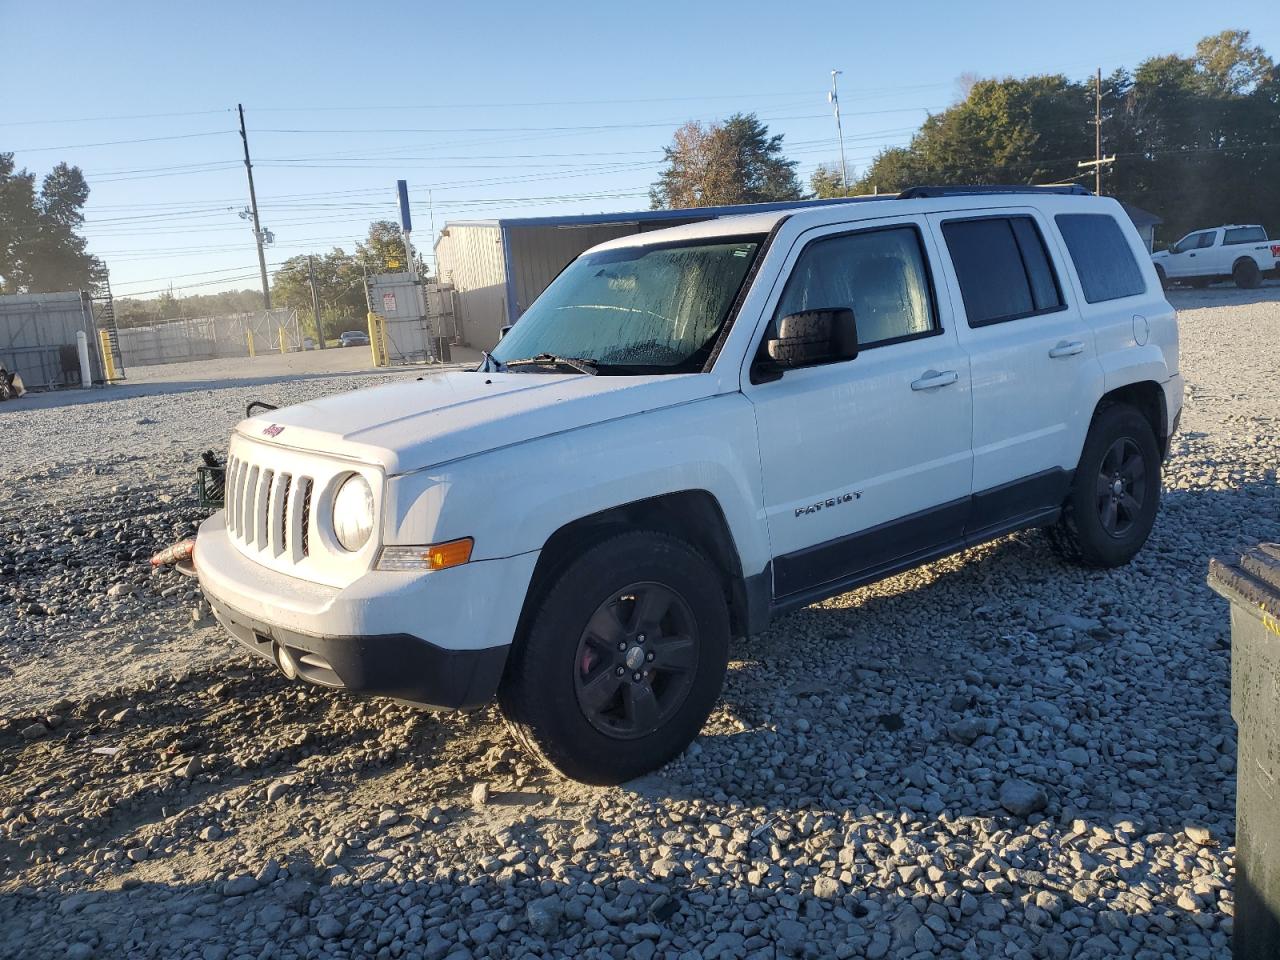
1160	255
440	417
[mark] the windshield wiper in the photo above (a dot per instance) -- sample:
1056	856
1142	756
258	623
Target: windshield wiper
491	364
581	364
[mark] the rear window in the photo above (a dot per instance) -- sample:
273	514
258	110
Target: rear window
1245	235
1003	269
1102	255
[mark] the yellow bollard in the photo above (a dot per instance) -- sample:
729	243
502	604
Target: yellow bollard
108	359
373	339
284	347
251	350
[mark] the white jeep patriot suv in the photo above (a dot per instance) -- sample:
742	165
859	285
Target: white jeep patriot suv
692	431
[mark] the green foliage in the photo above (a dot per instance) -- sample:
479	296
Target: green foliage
1196	139
40	249
827	182
339	282
736	161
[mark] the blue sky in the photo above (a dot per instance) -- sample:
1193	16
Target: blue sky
489	108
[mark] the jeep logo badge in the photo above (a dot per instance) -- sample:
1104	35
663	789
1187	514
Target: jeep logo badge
273	431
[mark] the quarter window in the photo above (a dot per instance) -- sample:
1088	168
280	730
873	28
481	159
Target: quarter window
1003	269
878	274
1102	255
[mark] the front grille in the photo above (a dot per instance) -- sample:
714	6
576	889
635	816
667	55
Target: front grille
260	504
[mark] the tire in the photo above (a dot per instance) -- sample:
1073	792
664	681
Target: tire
1102	525
561	695
1247	275
1163	277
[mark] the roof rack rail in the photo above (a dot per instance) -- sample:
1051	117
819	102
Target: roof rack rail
915	193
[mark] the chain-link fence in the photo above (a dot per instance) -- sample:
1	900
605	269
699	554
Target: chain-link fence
206	338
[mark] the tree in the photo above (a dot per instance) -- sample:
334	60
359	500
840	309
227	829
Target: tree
382	251
736	161
827	182
40	248
1194	137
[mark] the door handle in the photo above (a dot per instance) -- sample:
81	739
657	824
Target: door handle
932	379
1067	348
1190	254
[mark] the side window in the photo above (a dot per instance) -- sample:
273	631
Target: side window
1206	239
879	274
1102	256
1245	235
1003	269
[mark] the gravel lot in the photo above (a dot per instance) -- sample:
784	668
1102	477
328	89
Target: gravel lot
994	755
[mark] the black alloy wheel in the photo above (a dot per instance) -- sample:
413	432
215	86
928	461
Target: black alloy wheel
636	660
1121	487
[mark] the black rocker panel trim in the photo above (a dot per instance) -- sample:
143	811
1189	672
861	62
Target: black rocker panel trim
835	566
870	548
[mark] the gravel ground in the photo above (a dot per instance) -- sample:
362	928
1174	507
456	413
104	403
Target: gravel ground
994	755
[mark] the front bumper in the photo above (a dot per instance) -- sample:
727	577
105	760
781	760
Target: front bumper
397	665
434	639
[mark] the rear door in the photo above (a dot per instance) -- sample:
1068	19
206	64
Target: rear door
1033	361
865	462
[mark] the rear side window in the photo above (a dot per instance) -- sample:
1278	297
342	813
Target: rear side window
1245	235
1003	269
1102	256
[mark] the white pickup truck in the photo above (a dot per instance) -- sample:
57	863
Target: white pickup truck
693	431
1239	252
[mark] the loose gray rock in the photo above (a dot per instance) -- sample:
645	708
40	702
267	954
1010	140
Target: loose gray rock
1022	798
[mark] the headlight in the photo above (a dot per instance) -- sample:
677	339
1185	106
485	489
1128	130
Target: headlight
353	513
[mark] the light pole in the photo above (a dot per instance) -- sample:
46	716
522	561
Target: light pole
834	98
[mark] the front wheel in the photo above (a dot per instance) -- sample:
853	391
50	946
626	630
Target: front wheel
1115	493
622	660
1163	277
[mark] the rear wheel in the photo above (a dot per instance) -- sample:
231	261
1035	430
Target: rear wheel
1115	493
1247	275
622	660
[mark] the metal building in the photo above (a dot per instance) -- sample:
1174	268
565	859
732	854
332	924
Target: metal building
498	267
38	338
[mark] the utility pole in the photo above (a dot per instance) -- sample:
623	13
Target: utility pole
833	97
1098	160
315	299
253	206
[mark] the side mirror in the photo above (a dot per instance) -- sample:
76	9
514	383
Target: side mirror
814	336
503	331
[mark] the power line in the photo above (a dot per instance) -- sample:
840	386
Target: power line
116	143
128	116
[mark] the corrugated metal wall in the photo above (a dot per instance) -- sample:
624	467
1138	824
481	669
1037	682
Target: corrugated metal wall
38	338
538	254
470	257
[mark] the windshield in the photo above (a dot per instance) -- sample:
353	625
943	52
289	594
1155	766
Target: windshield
651	309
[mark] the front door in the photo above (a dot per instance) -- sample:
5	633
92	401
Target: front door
1189	260
866	462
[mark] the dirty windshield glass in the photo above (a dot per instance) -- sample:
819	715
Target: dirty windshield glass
636	310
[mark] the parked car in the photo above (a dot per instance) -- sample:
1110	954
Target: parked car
354	338
691	432
1239	252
